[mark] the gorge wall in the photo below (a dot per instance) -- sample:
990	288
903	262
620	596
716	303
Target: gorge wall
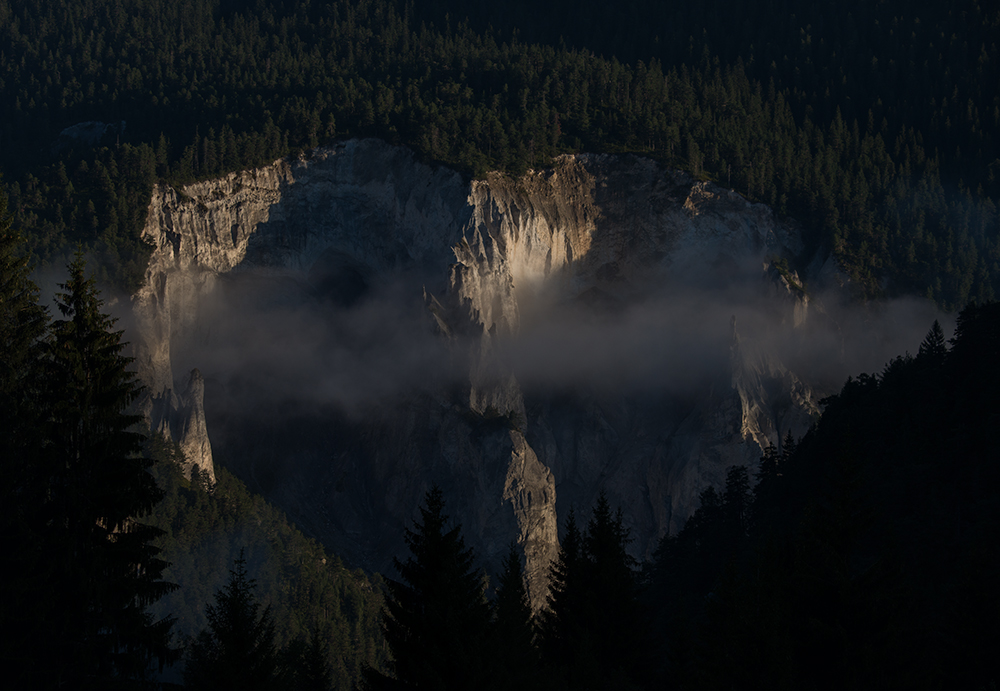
352	327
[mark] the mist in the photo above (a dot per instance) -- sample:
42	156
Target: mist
677	335
274	336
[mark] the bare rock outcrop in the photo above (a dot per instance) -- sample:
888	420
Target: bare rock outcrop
492	260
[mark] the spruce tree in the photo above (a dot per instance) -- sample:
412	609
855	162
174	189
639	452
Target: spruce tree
737	501
22	325
96	567
594	633
437	619
22	328
237	650
933	348
788	447
624	656
562	623
765	492
513	629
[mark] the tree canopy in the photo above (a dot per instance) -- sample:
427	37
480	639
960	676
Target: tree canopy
88	568
872	124
871	545
437	617
237	650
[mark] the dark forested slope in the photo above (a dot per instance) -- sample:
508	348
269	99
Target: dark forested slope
902	195
312	595
868	551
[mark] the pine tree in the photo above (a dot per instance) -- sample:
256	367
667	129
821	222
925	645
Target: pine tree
594	633
437	618
933	349
99	569
513	635
237	650
22	327
562	623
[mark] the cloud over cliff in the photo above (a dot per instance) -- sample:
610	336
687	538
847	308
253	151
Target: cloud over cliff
277	335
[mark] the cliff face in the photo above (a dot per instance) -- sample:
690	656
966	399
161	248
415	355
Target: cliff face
364	203
496	261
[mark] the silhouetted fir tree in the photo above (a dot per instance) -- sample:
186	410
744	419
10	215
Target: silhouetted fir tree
764	491
237	650
22	327
737	501
625	655
974	360
688	564
595	634
933	348
99	569
513	637
562	624
976	342
437	619
788	447
768	463
307	666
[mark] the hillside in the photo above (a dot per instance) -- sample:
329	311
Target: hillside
867	550
887	171
309	591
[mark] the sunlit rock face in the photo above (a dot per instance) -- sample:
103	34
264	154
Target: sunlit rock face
368	326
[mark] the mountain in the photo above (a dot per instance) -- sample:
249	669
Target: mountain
367	325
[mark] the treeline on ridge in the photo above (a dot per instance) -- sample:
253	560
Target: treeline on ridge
862	556
194	89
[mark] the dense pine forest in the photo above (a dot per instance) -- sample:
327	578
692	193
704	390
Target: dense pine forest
862	555
872	123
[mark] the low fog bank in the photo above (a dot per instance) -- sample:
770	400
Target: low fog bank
289	337
283	338
277	335
677	335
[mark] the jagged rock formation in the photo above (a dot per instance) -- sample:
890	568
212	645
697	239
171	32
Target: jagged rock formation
596	231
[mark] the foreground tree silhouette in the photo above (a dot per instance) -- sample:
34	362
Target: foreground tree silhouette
89	569
237	650
437	619
594	633
513	645
22	327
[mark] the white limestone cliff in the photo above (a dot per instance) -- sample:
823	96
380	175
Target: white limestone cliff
362	210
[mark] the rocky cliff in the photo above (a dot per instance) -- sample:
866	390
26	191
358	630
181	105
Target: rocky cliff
334	246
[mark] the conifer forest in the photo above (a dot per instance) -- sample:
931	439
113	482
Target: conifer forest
862	554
